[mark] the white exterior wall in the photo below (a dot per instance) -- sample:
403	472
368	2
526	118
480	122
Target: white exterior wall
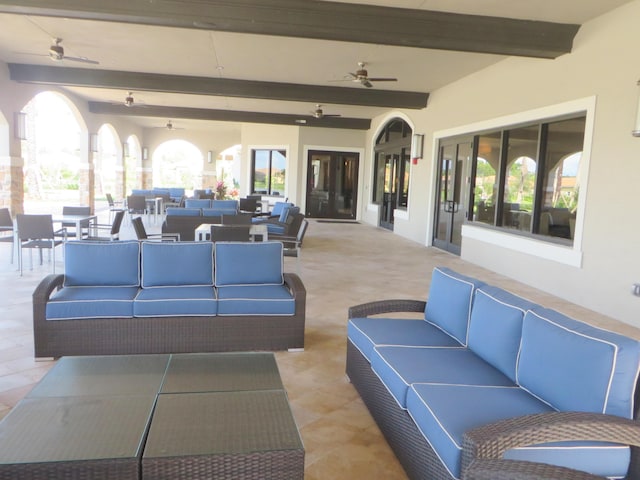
602	68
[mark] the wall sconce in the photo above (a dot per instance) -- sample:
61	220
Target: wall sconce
145	153
209	156
417	141
93	142
20	125
636	129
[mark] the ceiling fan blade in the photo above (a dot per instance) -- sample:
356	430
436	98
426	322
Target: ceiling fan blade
81	59
383	79
331	115
366	83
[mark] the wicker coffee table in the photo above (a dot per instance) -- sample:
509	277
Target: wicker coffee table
221	415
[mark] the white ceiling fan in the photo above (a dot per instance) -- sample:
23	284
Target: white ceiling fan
362	77
56	53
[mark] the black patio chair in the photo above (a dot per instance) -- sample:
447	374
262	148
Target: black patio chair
113	229
230	233
7	234
36	231
141	232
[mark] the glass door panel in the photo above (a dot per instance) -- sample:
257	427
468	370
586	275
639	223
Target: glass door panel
332	185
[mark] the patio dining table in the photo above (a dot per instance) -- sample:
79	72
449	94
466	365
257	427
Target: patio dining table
77	219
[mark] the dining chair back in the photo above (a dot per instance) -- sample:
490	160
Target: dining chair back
36	231
6	229
76	210
113	229
113	205
136	204
141	232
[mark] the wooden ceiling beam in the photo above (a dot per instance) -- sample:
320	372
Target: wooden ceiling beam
230	116
325	20
153	82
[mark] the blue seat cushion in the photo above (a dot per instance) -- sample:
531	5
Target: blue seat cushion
255	300
91	302
246	263
113	264
366	333
399	367
167	264
229	207
272	229
175	301
574	366
496	327
450	300
443	413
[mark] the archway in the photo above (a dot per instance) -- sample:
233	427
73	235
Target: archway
108	163
53	153
132	165
177	163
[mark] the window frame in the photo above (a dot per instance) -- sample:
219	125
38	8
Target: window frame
252	173
532	244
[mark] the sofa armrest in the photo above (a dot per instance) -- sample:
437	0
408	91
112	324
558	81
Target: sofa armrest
498	469
41	294
386	306
493	440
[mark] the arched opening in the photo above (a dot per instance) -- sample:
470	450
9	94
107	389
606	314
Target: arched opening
392	170
177	163
53	153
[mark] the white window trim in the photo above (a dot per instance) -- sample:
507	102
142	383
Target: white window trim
569	255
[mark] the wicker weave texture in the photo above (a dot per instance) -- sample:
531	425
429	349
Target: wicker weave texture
498	469
145	335
413	451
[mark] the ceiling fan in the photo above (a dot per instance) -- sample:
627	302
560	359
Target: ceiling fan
362	76
56	53
318	113
170	126
129	101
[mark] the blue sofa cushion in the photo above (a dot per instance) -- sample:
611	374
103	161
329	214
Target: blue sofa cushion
91	302
496	327
255	300
177	263
175	301
246	263
185	212
197	203
366	333
450	301
574	366
229	207
399	367
102	264
443	413
213	212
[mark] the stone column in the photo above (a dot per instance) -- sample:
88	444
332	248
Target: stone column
87	184
12	184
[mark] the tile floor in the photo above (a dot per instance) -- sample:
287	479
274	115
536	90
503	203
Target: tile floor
341	265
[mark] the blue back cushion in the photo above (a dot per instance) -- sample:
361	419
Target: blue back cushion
574	366
89	264
242	263
185	212
225	205
197	203
177	264
496	327
450	300
278	207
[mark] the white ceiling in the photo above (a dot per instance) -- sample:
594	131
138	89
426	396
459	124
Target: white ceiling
141	48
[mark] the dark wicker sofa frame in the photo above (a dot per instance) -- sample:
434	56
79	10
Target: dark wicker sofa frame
483	447
184	334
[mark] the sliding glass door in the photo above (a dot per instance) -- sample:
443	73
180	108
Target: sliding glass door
332	182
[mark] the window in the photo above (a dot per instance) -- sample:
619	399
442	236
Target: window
268	168
525	179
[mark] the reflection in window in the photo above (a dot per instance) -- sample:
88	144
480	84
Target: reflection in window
486	180
268	171
540	166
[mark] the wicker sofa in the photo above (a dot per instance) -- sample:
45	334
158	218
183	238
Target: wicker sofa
134	297
488	382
